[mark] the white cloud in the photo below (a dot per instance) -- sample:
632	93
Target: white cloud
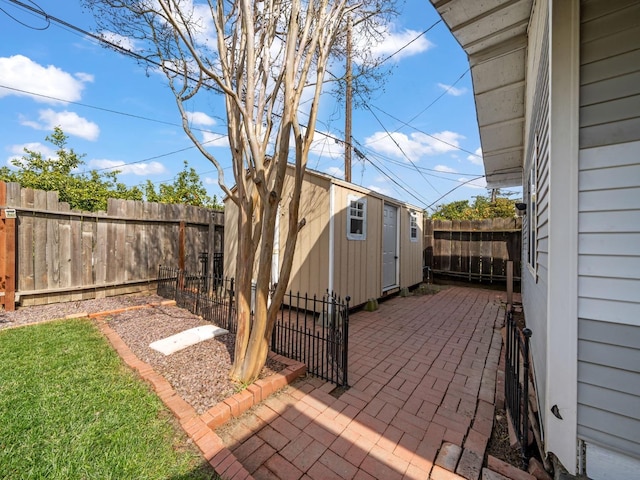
70	123
210	181
451	90
380	190
142	169
127	43
394	41
415	145
84	77
200	118
20	72
335	171
206	31
325	146
479	183
477	158
211	139
444	169
18	151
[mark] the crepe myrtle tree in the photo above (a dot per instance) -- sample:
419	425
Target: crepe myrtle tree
266	58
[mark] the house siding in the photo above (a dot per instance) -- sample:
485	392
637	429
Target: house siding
535	277
609	227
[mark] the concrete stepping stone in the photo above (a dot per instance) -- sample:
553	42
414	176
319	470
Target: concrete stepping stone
185	339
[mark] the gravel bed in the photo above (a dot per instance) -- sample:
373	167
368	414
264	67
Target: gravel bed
199	373
42	313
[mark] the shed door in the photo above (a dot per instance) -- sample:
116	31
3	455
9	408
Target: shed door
389	247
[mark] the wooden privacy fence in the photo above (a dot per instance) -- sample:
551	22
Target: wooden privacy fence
50	253
475	250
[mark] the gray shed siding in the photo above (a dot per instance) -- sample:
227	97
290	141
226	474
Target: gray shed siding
609	226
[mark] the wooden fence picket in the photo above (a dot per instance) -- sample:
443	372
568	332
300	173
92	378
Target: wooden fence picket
475	250
59	254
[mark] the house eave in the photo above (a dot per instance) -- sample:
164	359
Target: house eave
494	35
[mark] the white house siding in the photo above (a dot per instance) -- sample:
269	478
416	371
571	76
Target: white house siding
609	229
535	277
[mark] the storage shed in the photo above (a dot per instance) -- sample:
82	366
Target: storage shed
355	242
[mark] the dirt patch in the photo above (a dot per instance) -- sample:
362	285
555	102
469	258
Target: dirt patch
500	445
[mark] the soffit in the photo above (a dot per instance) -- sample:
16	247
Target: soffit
493	33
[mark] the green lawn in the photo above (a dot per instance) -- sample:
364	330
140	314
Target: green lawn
70	409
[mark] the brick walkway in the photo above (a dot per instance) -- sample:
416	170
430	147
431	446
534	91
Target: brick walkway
422	373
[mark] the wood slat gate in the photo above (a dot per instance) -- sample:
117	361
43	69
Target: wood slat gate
475	250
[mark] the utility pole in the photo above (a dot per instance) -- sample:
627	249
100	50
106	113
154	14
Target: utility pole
348	101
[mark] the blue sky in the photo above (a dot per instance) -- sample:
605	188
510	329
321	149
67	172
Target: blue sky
424	151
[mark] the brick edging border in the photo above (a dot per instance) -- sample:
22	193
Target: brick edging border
200	428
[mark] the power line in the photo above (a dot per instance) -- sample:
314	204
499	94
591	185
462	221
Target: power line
427	134
144	59
439	173
49	18
154	157
401	184
409	43
103	109
401	150
453	189
441	95
40	11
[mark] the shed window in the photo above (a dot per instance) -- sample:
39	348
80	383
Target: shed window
357	218
413	226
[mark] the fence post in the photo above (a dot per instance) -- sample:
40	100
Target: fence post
345	342
509	284
7	253
181	244
204	270
230	309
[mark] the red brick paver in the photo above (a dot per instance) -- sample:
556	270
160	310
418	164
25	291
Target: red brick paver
422	372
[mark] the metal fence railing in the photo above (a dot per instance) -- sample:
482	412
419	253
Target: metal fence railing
517	381
308	329
315	331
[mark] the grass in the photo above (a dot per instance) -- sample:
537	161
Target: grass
70	409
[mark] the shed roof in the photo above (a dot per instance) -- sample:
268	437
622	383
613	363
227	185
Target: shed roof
359	189
350	186
493	33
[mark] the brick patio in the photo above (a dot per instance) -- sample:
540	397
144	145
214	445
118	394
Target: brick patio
422	372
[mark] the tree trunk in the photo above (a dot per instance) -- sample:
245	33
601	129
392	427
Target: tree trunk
243	289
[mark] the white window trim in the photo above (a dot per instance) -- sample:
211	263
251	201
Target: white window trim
363	201
413	221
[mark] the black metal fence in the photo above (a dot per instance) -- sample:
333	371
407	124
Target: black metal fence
315	331
308	329
517	381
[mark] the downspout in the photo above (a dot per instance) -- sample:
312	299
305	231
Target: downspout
331	234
